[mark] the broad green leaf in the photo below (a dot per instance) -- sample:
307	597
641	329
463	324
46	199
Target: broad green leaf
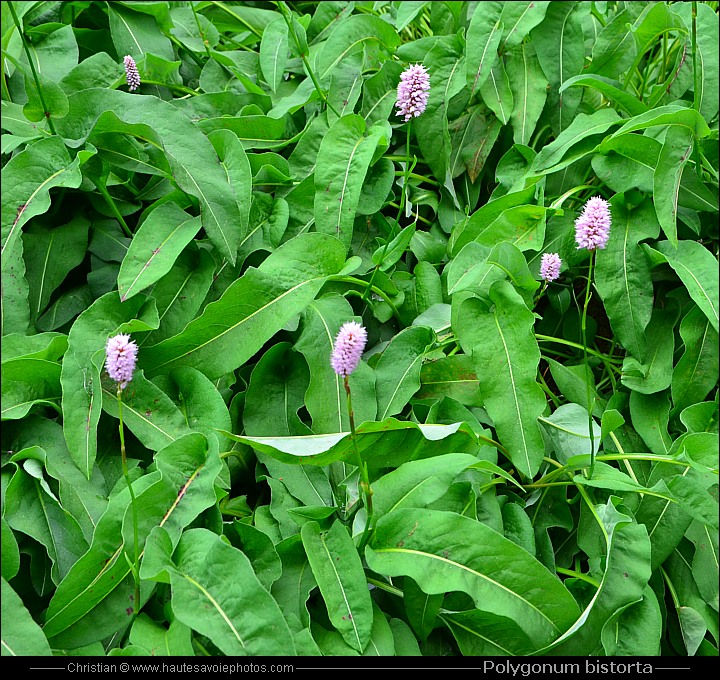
193	30
518	19
705	561
622	274
27	382
558	42
292	590
624	580
528	86
506	356
54	99
31	174
483	39
191	156
637	630
708	70
615	48
350	36
50	254
674	155
32	508
405	642
611	89
672	114
343	160
382	642
80	377
239	616
653	372
261	552
251	310
387	257
10	553
483	633
697	268
21	636
569	430
397	373
160	641
497	94
135	33
650	414
444	551
421	609
168	500
339	574
696	372
450	376
553	157
388	443
473	137
572	381
325	398
155	247
380	93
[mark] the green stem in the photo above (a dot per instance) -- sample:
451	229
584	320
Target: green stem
365	483
427	180
32	67
133	503
171	86
569	343
100	184
577	574
588	371
200	31
250	27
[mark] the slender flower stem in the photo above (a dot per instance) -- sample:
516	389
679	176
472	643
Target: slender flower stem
365	483
32	67
696	84
200	31
570	343
133	503
102	188
588	371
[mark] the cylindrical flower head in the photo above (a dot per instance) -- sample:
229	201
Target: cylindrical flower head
592	228
131	73
348	349
550	266
121	355
412	92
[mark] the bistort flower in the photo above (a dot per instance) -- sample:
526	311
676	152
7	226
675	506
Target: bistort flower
131	73
348	349
592	228
121	355
550	266
412	92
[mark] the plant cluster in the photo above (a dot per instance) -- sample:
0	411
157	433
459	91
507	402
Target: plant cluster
360	328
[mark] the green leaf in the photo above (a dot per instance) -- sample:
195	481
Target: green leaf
569	430
21	635
572	381
450	376
351	36
27	382
251	310
622	274
191	156
387	443
343	160
672	114
421	609
443	551
325	398
10	553
274	52
483	39
697	268
696	372
80	377
650	414
529	90
674	155
482	633
615	48
135	33
397	373
610	89
654	372
637	631
497	94
339	574
292	590
239	616
518	19
155	247
558	42
505	354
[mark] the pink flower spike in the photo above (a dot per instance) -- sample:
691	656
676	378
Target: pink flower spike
592	228
121	356
412	92
348	349
131	73
550	266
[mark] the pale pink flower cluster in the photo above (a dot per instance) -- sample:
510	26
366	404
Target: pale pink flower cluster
550	264
131	73
592	228
348	349
121	356
412	92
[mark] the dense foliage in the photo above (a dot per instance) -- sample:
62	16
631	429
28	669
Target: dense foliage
530	465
